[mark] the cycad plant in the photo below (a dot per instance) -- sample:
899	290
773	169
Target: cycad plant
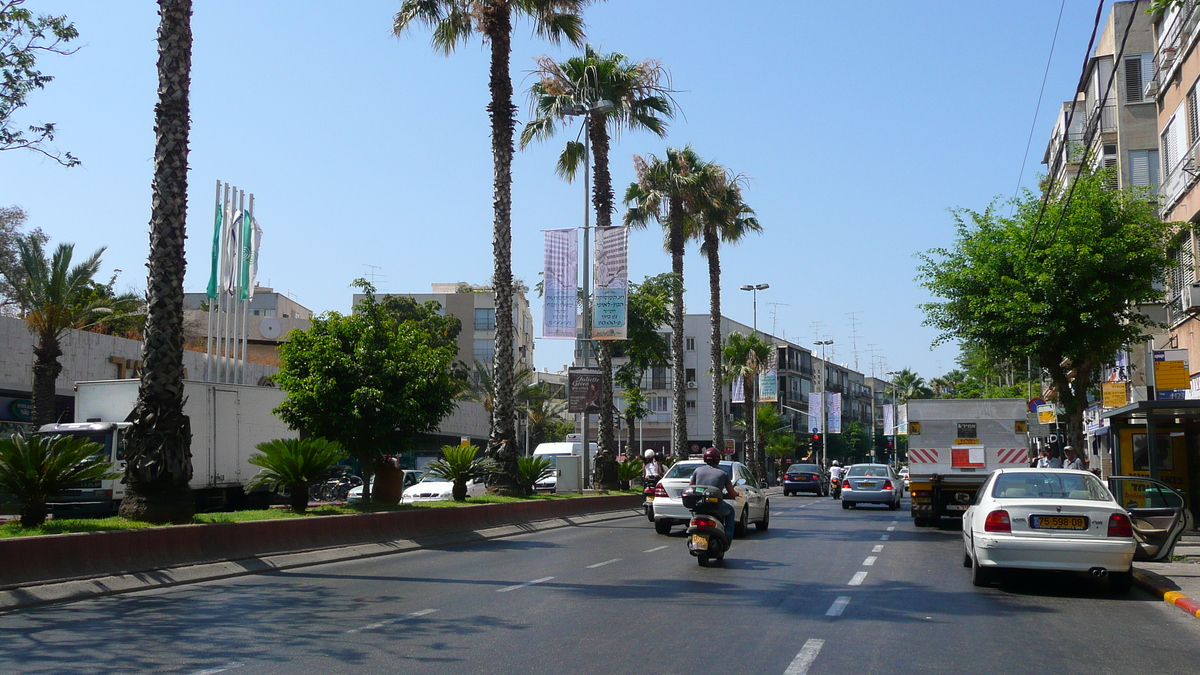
533	470
629	471
38	468
295	464
459	464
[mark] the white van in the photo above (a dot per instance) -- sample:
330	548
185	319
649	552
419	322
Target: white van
552	451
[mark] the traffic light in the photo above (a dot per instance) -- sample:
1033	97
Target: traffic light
817	445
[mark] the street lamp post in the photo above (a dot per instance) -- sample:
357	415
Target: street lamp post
754	289
586	111
824	432
895	414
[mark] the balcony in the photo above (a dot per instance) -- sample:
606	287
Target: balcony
1173	40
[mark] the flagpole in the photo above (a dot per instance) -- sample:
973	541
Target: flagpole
227	319
236	281
219	350
247	247
208	348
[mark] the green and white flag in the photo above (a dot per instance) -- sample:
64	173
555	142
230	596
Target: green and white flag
216	253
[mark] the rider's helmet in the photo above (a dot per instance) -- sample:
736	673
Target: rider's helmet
711	456
648	454
836	463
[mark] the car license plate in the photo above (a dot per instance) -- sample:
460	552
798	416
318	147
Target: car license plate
800	478
1059	522
863	484
700	542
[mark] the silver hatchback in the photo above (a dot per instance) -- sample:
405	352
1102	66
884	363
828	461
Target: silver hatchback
872	484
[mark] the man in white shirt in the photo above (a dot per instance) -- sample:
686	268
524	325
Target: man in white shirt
835	479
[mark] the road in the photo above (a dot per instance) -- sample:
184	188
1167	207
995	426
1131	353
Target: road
824	591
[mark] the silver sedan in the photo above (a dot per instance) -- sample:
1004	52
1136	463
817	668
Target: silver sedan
871	484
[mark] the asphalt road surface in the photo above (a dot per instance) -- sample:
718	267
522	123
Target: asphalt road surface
824	591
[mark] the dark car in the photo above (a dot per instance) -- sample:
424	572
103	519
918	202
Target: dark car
805	478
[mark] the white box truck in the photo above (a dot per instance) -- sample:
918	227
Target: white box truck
227	420
953	444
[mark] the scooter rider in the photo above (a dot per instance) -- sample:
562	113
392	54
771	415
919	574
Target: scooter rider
653	469
712	475
835	479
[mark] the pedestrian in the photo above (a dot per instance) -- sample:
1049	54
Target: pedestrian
1071	461
1048	460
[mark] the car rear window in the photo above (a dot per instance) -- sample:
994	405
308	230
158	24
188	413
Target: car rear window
868	470
803	468
1050	485
686	470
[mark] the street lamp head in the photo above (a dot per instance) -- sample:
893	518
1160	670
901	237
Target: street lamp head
762	287
603	106
747	287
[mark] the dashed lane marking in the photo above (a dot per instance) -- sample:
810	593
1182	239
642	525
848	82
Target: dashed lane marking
884	537
870	561
857	579
893	527
218	669
527	583
602	564
652	550
838	606
804	659
381	624
877	549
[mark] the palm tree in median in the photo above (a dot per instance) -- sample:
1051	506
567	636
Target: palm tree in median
672	191
55	296
453	23
744	358
724	219
907	384
640	94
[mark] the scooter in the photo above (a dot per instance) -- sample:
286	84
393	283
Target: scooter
706	536
648	496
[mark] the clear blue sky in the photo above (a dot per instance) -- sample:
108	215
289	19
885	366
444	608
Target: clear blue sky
859	124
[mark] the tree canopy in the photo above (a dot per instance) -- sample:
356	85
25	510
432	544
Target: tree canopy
24	37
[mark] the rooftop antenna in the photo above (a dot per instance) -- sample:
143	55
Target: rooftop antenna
374	273
816	326
775	313
854	335
871	349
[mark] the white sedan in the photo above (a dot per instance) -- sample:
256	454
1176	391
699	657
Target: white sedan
433	489
751	506
1048	519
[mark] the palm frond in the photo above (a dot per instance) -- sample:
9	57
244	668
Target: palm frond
570	160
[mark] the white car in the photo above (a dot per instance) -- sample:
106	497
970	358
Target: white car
751	506
871	484
904	477
1057	519
433	489
411	477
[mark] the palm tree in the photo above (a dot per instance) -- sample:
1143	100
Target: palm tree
744	357
725	219
641	99
158	452
53	297
907	384
453	23
948	385
672	191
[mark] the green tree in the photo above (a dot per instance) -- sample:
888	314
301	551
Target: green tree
295	464
745	356
1063	286
39	468
158	447
372	380
542	412
725	219
855	442
641	99
24	37
907	384
53	297
672	191
12	218
453	23
648	308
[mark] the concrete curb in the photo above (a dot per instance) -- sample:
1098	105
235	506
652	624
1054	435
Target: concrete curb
1157	585
32	595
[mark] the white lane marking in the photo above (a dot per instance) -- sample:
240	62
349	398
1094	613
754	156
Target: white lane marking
777	513
602	564
869	561
857	579
220	669
877	549
883	537
893	527
527	583
652	550
387	622
804	659
838	606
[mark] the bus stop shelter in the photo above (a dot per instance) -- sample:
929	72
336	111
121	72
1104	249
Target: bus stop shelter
1158	440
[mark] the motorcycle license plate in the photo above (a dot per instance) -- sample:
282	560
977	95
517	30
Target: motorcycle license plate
1059	522
700	542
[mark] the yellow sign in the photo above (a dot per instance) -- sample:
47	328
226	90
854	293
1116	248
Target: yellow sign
1115	394
914	428
1171	375
966	441
1020	427
1046	414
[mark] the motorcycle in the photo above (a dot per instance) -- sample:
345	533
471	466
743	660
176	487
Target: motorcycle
706	536
648	496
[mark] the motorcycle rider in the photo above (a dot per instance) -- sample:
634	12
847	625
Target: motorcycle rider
711	474
652	471
835	479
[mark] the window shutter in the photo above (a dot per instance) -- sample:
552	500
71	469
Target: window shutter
1155	172
1170	152
1193	127
1147	69
1139	167
1133	79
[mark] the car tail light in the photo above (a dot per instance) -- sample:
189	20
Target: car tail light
660	491
887	485
1119	525
846	485
997	521
703	522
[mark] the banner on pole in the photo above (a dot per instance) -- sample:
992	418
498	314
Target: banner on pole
889	419
815	407
738	393
768	379
560	284
611	283
583	389
835	412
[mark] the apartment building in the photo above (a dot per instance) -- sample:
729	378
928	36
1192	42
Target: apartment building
270	318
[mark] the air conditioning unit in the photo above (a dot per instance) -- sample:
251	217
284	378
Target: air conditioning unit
1190	298
1151	89
691	385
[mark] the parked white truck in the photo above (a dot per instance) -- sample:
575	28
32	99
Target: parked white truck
953	444
228	421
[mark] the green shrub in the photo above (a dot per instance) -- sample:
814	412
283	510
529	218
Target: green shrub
295	463
533	470
629	471
39	468
458	465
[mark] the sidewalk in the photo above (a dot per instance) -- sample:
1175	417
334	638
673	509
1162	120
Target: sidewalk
1177	583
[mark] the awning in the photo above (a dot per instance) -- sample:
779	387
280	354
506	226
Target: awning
1141	410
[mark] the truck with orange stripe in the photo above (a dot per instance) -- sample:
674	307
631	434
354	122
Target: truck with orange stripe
953	444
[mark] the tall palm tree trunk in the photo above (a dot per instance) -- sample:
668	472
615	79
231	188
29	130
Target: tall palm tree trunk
158	450
46	370
679	393
714	313
497	25
751	387
602	200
